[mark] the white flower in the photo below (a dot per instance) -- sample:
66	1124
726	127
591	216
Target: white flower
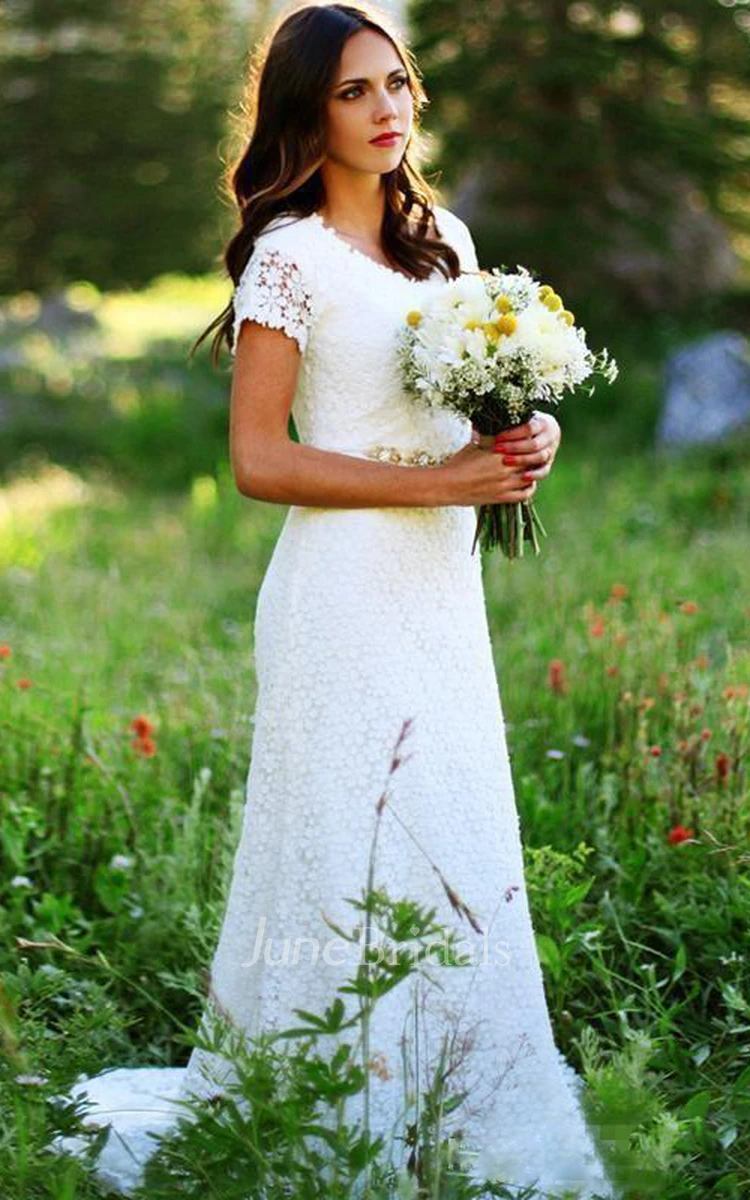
21	881
121	862
555	754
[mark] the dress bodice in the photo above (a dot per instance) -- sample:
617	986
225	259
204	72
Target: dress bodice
344	310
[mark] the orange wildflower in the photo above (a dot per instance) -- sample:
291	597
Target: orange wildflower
556	676
619	591
145	746
598	627
689	607
142	726
24	683
5	650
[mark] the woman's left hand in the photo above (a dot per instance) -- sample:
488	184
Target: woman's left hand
531	447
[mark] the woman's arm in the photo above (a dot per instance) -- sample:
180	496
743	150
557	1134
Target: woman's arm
268	465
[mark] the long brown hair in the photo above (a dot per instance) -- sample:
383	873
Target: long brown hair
290	74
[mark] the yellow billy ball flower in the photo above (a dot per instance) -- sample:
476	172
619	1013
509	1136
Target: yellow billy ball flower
545	291
414	317
507	323
568	317
553	302
503	303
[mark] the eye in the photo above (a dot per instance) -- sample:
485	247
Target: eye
400	79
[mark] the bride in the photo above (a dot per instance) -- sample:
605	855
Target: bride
371	615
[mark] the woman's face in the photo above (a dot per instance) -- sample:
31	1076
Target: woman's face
370	96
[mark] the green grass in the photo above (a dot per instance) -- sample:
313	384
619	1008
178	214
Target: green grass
127	590
119	604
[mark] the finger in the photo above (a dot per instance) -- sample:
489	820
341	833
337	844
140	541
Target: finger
517	431
536	456
537	473
519	494
514	449
533	427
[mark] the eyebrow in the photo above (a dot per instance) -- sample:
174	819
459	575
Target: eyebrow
395	71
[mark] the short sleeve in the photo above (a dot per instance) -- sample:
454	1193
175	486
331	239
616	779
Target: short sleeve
273	291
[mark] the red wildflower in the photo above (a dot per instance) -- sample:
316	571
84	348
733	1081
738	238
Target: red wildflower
679	834
702	662
722	764
689	607
145	746
556	676
142	726
705	734
598	627
5	651
611	671
655	751
24	683
619	591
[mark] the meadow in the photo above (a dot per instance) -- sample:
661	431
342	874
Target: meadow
129	570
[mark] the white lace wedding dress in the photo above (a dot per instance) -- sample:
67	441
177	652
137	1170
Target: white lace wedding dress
367	617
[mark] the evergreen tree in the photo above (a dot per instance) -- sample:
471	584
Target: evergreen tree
110	137
606	144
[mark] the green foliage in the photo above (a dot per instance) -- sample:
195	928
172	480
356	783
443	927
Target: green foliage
595	141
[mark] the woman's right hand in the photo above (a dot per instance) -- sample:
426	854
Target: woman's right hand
474	475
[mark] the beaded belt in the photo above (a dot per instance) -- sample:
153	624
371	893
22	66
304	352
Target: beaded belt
417	458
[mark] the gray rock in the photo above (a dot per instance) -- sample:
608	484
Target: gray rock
706	391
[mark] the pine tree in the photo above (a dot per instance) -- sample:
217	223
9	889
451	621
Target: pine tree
606	144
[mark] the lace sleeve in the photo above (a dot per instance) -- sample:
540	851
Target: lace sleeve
273	291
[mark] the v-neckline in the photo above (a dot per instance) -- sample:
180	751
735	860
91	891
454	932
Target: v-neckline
315	216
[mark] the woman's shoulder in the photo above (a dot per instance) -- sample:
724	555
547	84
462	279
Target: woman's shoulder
453	229
288	232
449	224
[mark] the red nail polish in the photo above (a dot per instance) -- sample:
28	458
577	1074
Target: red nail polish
509	459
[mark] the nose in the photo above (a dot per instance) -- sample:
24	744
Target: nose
386	106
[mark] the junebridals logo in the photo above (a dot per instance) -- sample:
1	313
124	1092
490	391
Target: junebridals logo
336	951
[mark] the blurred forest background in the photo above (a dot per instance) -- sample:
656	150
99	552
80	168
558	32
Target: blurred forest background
605	145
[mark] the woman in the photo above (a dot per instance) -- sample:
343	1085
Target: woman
371	613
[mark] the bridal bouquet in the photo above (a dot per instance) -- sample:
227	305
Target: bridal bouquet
491	345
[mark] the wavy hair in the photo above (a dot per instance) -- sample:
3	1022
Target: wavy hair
291	72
